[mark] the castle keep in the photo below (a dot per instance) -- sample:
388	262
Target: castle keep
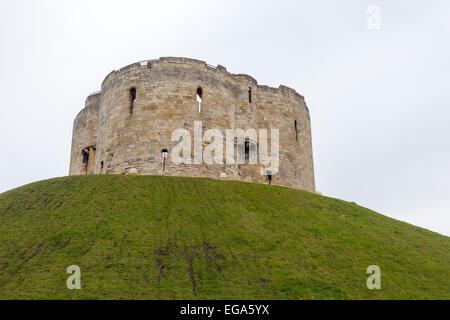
126	128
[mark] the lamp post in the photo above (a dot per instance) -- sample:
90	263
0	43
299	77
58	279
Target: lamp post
164	155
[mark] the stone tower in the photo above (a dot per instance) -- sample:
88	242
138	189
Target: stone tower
126	127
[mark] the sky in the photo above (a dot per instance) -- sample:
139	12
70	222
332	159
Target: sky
376	83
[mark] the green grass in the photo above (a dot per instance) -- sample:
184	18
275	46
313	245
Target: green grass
146	237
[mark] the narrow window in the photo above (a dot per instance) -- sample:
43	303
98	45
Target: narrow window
247	149
132	98
102	164
250	94
199	98
296	132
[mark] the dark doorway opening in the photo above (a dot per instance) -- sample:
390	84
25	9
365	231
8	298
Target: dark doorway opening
87	160
269	177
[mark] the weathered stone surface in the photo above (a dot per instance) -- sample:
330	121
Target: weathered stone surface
166	99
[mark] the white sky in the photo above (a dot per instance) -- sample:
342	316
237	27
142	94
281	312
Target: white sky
379	99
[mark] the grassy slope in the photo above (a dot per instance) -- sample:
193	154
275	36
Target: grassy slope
144	237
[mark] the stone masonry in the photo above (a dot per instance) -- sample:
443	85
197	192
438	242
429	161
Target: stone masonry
125	127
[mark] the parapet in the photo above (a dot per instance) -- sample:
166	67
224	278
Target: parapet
200	64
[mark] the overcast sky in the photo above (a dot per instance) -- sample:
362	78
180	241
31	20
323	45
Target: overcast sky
379	98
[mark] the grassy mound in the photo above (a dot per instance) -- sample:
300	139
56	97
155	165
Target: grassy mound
146	237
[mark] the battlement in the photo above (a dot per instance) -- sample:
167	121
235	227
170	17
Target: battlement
93	99
198	64
126	126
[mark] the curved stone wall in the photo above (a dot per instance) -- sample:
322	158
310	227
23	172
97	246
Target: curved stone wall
84	134
131	122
